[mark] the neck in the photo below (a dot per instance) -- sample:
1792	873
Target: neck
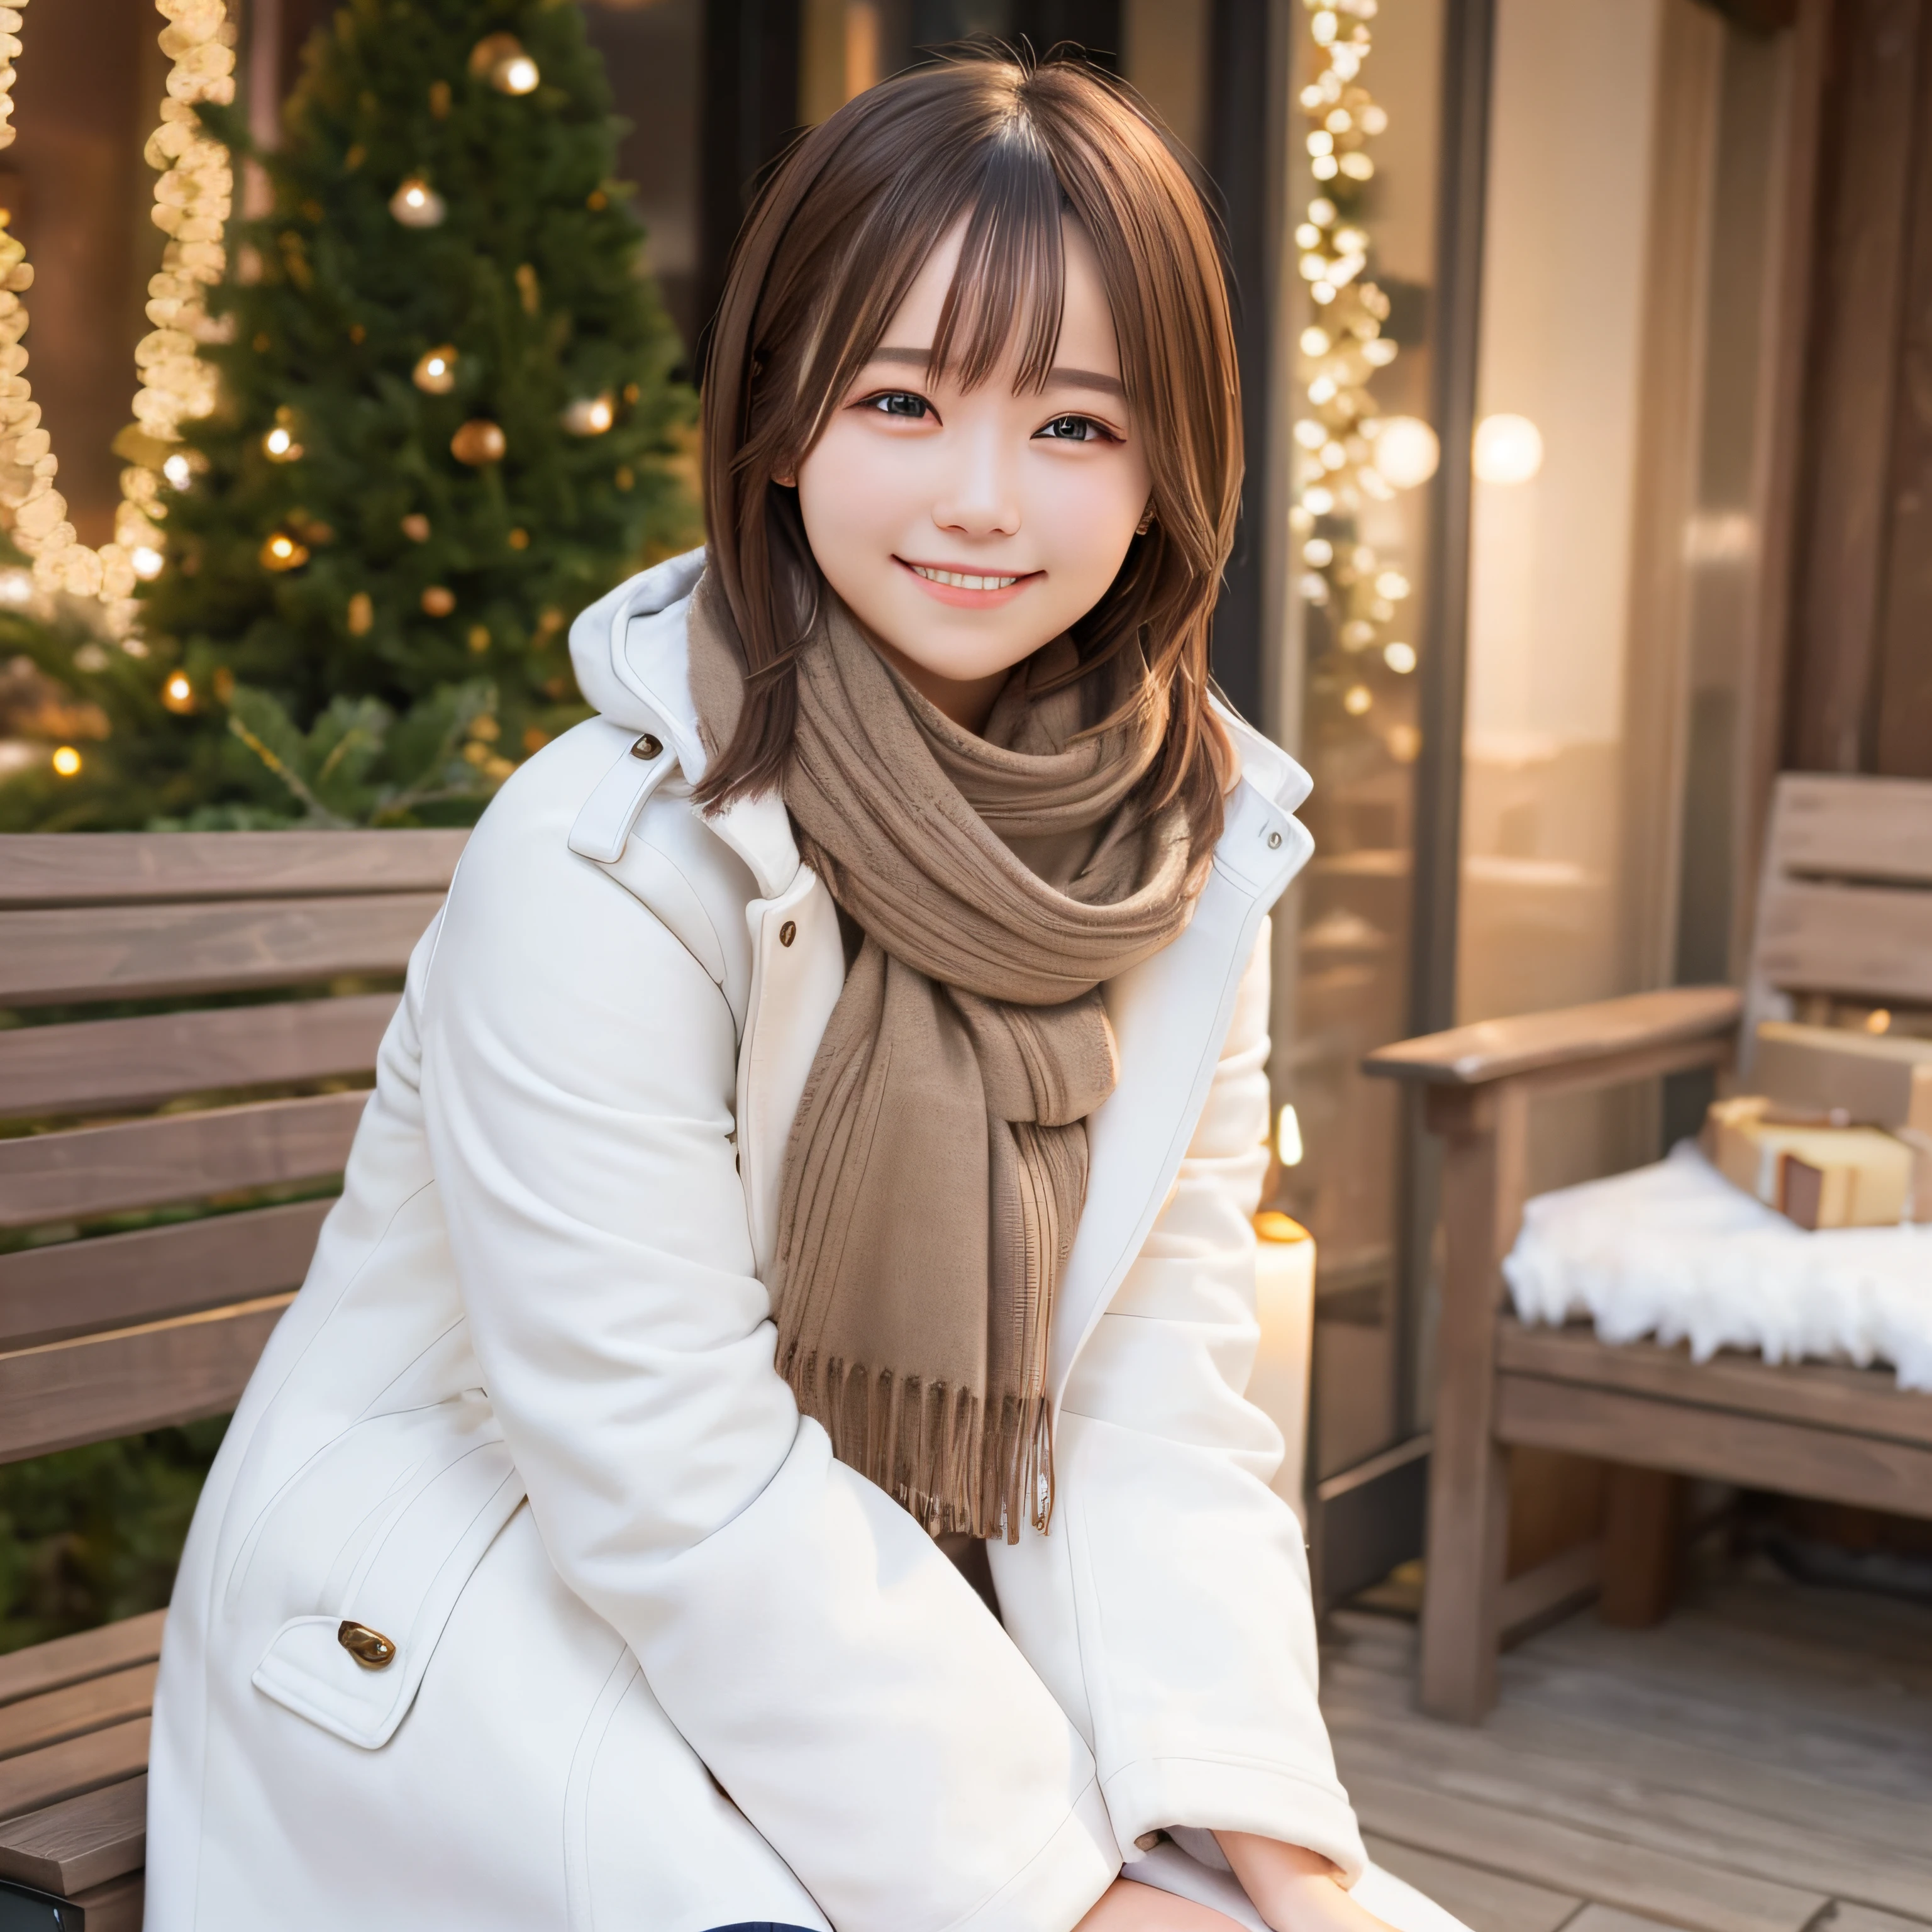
966	701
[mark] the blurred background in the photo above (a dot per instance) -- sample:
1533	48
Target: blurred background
1587	419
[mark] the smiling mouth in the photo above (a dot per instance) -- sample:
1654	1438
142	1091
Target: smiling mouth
962	580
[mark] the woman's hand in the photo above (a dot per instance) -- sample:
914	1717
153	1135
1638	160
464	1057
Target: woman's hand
1127	1905
1294	1889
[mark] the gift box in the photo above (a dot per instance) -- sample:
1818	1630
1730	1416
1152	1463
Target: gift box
1853	1079
1818	1174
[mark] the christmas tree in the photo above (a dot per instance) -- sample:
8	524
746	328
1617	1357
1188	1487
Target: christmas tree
445	422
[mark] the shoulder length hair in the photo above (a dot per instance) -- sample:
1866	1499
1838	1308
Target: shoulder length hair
823	264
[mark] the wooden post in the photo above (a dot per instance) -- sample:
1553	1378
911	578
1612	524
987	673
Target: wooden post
1642	1512
1485	1132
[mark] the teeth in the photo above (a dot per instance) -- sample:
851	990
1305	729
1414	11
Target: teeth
960	580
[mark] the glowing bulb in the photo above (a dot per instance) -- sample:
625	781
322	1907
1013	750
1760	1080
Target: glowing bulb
1357	699
1378	355
1321	211
1321	390
1318	551
178	472
589	416
1320	143
1333	456
1313	267
17	587
1357	166
1315	342
1399	658
1323	167
1508	449
179	689
435	371
1309	433
146	562
1393	585
280	445
66	760
1406	451
1288	1148
1339	122
517	75
1375	120
416	204
1324	292
1318	501
1308	236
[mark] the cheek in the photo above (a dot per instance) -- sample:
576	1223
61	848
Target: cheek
1087	512
848	488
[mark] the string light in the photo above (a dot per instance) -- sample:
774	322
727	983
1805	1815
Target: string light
1347	457
192	200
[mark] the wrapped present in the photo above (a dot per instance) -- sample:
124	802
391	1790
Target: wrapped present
1817	1173
1855	1079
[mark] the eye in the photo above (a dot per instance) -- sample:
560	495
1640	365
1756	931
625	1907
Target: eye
900	403
1076	429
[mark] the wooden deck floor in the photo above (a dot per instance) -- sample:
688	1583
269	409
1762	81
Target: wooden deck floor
1761	1763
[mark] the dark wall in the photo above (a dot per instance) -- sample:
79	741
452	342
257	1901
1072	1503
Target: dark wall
87	97
1859	690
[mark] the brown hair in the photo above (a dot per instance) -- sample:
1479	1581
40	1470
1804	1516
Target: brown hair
825	258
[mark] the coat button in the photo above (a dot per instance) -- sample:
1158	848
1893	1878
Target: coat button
647	747
1274	841
369	1647
1148	1840
788	932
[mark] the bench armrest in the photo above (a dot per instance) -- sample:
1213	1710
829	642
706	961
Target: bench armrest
1675	1026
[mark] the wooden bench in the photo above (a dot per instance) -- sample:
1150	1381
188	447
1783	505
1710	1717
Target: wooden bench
203	1100
1843	911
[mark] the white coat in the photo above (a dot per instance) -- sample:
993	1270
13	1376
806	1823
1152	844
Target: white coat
661	1664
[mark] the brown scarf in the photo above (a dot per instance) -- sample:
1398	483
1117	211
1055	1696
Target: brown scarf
937	1167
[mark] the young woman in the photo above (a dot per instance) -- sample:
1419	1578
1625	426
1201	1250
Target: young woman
823	1119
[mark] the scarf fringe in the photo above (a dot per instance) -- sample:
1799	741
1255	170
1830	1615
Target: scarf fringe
929	1449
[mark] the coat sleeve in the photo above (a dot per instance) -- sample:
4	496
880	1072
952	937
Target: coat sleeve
841	1682
1169	1608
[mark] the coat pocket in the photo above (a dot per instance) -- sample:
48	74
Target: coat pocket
354	1669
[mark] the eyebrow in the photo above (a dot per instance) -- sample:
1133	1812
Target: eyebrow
1057	375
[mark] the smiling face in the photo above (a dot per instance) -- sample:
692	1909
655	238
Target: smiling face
965	528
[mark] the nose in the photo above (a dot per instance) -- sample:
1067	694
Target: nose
980	495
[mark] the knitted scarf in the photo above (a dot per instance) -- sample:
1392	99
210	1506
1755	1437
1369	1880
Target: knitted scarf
937	1166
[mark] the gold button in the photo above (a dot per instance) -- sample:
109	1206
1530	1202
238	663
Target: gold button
369	1647
647	747
788	932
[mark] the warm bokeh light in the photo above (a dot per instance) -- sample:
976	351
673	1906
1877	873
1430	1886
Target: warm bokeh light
1406	451
66	760
1508	449
146	562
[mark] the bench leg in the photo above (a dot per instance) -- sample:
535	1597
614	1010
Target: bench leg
1642	1514
1485	1136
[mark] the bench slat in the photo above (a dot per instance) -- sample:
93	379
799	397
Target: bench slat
79	1843
44	1778
80	1288
101	1386
63	957
121	867
93	1170
71	1659
1867	1402
1874	940
34	1722
1859	828
100	1064
1652	1432
119	1906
